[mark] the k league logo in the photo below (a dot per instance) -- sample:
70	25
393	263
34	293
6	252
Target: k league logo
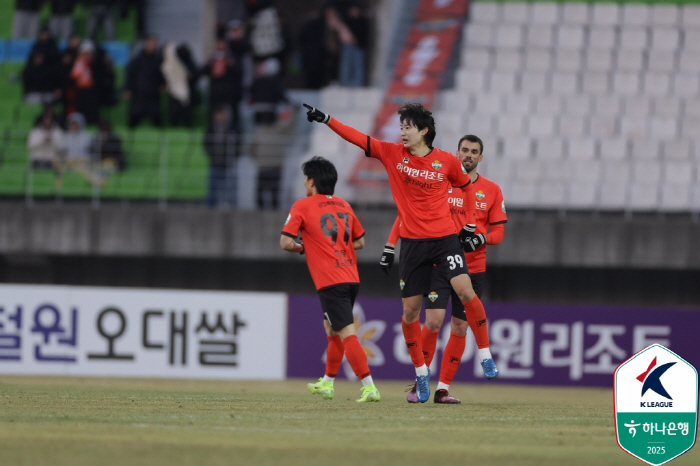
656	405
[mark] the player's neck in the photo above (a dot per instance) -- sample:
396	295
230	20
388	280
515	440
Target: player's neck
420	150
473	175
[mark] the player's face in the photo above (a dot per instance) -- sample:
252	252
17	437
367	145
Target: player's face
469	154
411	136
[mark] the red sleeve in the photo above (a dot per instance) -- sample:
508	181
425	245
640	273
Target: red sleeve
469	195
357	230
394	234
495	236
371	146
295	220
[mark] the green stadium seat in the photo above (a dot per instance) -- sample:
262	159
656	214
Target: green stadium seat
193	184
110	188
13	180
75	185
133	183
43	183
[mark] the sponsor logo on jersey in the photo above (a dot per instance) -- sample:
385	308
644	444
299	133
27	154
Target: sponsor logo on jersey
402	284
415	173
449	190
289	217
437	165
456	201
503	206
480	195
405	160
432	296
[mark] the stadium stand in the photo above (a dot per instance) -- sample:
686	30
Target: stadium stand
607	87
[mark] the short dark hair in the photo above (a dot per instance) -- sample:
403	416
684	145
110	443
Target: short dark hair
472	138
421	118
323	172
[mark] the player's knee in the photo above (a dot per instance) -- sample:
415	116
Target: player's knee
410	315
458	326
433	323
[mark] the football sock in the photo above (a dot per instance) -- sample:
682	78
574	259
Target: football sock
428	342
452	357
484	353
412	336
356	356
328	379
476	316
334	355
367	381
443	386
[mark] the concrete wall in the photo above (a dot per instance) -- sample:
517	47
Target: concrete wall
193	232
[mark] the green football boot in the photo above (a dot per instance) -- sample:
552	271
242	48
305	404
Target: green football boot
321	388
369	393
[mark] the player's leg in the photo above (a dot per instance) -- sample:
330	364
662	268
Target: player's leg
334	357
415	270
339	316
452	355
476	317
435	306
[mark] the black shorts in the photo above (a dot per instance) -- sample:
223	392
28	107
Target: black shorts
337	302
419	257
442	292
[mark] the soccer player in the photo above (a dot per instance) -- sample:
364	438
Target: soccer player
331	232
491	213
419	178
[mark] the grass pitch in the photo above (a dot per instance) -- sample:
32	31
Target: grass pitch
108	421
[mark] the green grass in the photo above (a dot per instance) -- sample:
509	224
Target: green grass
106	421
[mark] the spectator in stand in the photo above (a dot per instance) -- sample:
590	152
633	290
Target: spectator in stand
273	127
67	60
46	45
107	149
61	23
180	74
140	6
320	48
105	77
86	92
41	81
225	80
240	48
46	143
221	145
101	15
353	33
25	23
266	34
78	144
144	82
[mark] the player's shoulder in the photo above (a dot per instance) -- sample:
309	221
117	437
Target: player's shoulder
486	183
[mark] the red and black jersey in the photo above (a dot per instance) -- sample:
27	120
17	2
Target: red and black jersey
418	184
328	226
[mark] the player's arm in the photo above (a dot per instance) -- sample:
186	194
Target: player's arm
495	236
289	244
358	243
358	233
387	259
371	146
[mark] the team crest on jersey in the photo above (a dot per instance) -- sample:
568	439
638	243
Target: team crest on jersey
402	284
405	160
437	165
503	206
289	217
432	296
480	195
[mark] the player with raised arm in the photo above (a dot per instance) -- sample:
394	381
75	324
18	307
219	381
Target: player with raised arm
331	232
419	178
490	214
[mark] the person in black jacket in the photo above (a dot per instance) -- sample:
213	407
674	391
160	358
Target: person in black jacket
144	82
225	74
221	145
61	23
101	14
25	22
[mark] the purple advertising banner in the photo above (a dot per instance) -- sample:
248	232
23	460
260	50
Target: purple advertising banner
531	344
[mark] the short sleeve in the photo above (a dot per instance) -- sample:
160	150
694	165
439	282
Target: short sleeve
294	222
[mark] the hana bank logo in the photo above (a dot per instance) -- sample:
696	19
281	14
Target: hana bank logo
651	379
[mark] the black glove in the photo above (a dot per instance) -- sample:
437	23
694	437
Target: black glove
475	243
467	232
316	115
387	259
